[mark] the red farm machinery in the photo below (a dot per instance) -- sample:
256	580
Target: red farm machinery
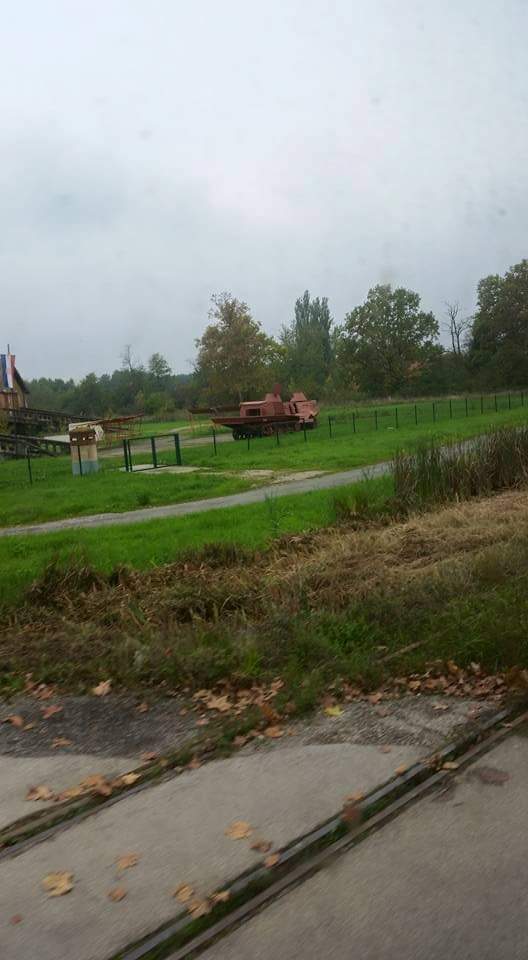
262	418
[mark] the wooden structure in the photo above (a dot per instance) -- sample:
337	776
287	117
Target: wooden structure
13	390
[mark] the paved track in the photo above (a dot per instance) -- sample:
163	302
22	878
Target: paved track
325	482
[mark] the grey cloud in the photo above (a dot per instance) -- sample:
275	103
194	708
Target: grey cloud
154	154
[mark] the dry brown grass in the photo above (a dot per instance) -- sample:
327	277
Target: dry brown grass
325	570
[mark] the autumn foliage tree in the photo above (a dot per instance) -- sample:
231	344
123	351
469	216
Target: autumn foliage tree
236	360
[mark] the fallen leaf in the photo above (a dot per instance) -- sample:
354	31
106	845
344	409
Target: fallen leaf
385	748
183	892
491	775
127	860
355	798
147	757
261	845
61	742
221	897
116	894
129	778
273	732
333	711
400	770
450	765
238	830
239	741
183	712
375	698
98	784
41	792
202	722
199	908
441	706
57	884
222	704
28	726
102	688
269	713
50	711
16	918
194	764
71	792
351	813
15	720
272	860
142	708
43	692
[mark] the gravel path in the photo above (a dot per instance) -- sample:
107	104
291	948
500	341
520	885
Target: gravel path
325	482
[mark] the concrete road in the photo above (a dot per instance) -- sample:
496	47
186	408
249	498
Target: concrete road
325	482
281	787
449	878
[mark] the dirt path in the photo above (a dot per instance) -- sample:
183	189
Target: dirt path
326	482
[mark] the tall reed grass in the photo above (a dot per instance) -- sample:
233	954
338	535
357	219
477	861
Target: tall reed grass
434	474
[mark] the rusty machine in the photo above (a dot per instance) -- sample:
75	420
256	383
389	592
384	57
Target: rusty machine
261	418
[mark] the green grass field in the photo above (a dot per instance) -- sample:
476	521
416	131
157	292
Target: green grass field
146	545
55	493
344	448
343	445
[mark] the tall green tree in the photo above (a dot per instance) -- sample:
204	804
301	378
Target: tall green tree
499	337
386	342
159	369
235	359
308	345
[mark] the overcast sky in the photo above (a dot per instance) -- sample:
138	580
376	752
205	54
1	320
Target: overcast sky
154	152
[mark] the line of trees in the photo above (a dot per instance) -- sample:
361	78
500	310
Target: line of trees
386	346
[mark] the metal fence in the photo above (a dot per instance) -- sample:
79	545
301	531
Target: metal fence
415	414
162	450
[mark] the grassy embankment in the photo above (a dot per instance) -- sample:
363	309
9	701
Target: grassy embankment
316	609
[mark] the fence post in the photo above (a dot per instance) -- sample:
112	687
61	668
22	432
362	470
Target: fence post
353	422
126	454
29	466
304	431
277	436
330	426
416	414
396	417
214	441
79	458
434	412
481	404
509	401
467	414
450	409
154	454
495	403
376	419
248	439
177	449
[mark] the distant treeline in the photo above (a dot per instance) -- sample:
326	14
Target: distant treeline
385	347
